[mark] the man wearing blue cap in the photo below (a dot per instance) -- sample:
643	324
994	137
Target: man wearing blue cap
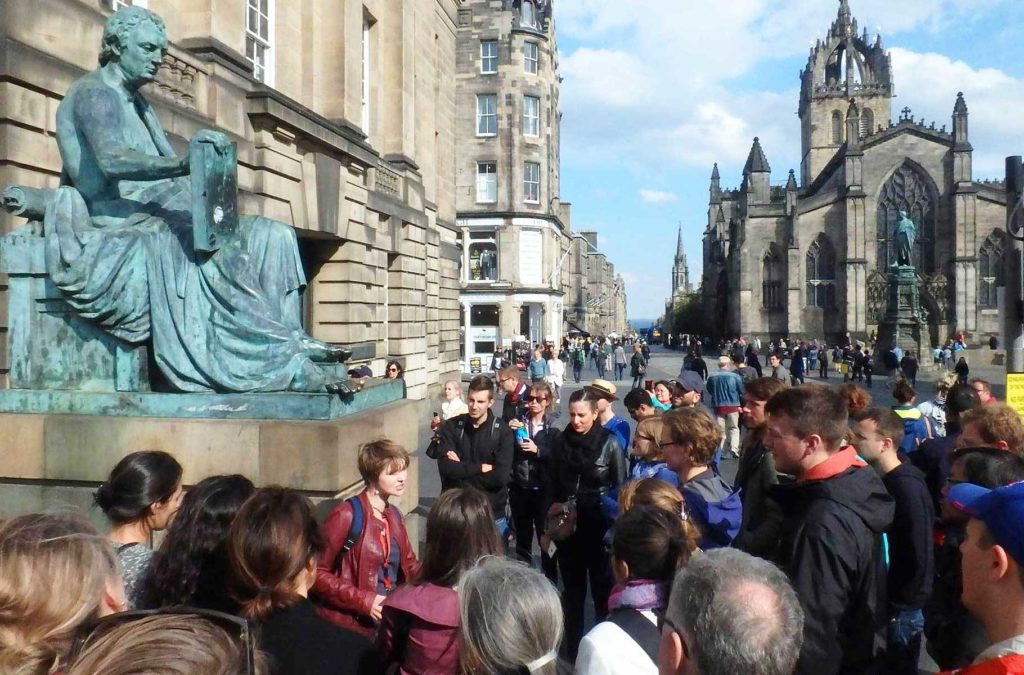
993	572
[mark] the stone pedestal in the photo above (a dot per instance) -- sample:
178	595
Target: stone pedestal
54	461
903	324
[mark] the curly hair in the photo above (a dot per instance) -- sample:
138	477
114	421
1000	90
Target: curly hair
192	567
119	27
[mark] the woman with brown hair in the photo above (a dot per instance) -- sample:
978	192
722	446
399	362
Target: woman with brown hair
658	494
57	572
420	621
273	546
367	553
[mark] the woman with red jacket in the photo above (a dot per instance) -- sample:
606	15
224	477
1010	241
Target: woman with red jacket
356	574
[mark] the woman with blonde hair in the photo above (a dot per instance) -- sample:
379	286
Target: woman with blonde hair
658	494
646	459
57	572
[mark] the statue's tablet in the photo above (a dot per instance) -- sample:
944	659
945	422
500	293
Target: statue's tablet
214	194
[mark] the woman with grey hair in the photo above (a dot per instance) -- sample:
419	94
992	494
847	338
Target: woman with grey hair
511	620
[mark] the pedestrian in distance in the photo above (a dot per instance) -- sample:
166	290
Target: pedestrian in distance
637	367
776	369
619	359
725	390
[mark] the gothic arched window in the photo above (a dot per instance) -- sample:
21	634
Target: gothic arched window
771	279
821	273
867	122
911	191
837	128
990	270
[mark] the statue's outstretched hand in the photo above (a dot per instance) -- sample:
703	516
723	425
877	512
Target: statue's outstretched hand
219	139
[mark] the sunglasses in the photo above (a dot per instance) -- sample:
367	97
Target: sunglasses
537	399
236	628
662	620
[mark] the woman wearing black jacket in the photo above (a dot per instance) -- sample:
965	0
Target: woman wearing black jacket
590	465
528	492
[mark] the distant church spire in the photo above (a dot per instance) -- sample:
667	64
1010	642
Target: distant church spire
679	244
845	15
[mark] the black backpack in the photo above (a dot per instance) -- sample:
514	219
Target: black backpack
636	626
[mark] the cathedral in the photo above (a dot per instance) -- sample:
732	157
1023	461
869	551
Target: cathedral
810	259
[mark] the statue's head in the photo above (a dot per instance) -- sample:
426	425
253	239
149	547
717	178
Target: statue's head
136	40
903	214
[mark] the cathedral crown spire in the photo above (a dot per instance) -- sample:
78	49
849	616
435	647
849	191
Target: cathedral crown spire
680	253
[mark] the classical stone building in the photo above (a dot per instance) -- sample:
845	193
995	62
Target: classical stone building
596	296
809	260
512	226
344	116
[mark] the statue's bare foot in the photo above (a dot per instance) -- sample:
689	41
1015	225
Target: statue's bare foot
324	352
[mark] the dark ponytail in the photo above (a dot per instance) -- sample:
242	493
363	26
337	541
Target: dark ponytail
273	537
651	542
137	482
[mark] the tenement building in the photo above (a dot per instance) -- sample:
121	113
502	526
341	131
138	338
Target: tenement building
343	112
810	259
595	296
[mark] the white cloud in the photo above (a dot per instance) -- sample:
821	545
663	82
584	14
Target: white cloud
657	197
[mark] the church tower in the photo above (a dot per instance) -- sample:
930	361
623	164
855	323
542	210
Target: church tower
680	269
844	67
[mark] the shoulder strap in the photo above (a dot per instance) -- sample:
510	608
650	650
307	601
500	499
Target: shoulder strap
356	530
639	629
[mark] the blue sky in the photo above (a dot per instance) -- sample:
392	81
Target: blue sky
656	91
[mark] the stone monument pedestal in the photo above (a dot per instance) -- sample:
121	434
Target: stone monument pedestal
904	323
54	461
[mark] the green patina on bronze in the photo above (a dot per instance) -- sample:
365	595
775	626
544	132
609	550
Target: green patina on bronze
143	274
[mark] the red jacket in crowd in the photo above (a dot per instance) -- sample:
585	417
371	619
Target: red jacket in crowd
345	589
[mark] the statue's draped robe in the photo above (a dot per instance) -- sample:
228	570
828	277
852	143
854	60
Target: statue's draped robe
904	241
226	322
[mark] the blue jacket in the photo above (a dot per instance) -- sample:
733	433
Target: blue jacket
916	427
715	507
643	468
724	388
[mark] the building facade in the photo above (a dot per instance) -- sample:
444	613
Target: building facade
811	260
343	112
595	294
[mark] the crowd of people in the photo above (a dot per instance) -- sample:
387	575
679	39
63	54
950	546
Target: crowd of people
852	536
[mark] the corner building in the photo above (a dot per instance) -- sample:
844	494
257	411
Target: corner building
513	228
810	260
343	112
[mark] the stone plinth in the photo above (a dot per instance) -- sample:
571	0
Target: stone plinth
56	461
904	324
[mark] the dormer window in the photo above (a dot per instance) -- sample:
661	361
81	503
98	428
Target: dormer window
528	14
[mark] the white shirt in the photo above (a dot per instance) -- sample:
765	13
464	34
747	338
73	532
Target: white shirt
450	409
556	371
608	650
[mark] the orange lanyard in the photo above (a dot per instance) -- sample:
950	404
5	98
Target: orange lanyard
386	546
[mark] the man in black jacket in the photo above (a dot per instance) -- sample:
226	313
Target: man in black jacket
834	514
877	434
476	450
511	381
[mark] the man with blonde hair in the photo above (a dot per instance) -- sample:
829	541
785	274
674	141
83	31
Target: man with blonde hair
689	440
996	425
